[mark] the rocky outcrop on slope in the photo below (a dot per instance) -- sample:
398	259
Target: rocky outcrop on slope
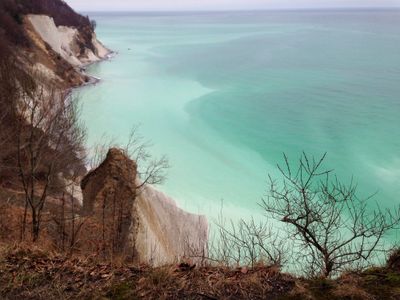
109	193
114	177
66	41
143	223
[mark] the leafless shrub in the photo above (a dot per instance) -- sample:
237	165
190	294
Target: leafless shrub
393	261
69	224
247	243
331	226
99	151
151	170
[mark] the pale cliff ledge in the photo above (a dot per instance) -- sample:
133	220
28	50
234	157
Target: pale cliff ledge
143	223
64	41
166	233
61	53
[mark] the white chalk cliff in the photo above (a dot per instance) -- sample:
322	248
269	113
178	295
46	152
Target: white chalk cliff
167	233
63	40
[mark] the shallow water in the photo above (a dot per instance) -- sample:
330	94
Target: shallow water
223	95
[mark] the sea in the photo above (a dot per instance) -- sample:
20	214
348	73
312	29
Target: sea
224	95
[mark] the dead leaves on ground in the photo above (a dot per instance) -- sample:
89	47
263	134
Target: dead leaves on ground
31	274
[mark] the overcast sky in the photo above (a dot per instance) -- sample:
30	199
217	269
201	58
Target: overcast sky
141	5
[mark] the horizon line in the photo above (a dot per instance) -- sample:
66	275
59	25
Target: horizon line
246	10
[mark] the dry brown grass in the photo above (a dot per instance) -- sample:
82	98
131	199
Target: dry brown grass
30	271
41	271
352	290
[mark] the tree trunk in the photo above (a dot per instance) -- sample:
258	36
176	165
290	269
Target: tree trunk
23	225
35	227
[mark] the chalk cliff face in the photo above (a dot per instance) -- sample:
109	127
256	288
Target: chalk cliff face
61	52
166	233
143	223
64	41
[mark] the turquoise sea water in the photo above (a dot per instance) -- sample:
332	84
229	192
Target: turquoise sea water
223	95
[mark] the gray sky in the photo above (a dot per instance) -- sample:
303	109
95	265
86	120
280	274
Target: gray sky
140	5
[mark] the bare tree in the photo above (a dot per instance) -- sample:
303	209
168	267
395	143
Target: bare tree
3	139
248	243
12	81
151	170
243	243
49	143
333	228
69	223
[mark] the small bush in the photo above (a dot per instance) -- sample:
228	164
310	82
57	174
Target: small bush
394	260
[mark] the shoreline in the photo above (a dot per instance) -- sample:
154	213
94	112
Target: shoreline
93	80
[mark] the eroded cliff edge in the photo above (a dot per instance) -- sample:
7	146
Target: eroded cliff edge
66	41
141	222
50	39
60	51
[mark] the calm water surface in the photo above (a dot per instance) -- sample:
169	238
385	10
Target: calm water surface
223	95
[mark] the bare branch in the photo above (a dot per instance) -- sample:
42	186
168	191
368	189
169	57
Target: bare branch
333	228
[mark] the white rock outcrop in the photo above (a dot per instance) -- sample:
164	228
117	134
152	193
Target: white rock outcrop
63	40
166	233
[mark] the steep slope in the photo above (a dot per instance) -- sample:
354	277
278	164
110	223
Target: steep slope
50	39
66	41
139	222
166	233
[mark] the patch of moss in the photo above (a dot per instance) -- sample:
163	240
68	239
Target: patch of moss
321	288
121	291
159	277
371	278
373	271
393	279
382	283
396	292
31	280
322	284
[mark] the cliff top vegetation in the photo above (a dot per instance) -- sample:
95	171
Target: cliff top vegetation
27	272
